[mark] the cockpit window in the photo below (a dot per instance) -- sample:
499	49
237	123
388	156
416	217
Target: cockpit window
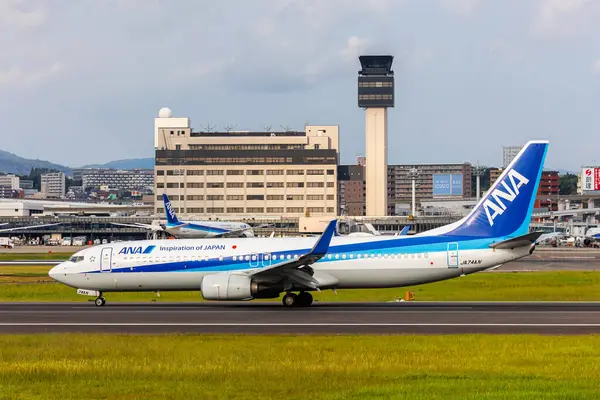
75	259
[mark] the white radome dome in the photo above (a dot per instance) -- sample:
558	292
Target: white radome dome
165	112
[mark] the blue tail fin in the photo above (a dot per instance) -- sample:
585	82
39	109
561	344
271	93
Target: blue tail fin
171	216
505	210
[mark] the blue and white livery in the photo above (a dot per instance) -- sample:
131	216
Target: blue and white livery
494	233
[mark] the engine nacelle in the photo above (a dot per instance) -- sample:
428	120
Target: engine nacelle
237	287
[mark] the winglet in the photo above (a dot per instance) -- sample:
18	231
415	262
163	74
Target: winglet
322	245
404	231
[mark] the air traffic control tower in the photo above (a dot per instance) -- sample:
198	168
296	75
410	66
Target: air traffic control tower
375	95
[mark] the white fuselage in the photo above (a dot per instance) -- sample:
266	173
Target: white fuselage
351	262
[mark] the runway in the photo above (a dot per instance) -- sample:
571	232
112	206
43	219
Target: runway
321	318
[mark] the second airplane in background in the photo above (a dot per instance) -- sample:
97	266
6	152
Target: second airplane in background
197	229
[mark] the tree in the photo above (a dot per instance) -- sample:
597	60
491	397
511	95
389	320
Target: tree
567	184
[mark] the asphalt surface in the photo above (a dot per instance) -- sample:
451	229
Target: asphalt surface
323	318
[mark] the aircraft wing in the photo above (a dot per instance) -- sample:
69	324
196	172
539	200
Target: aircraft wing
298	270
138	225
28	227
547	236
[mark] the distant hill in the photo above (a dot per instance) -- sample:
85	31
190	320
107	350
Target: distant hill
145	163
13	164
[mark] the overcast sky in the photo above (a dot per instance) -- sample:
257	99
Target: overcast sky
82	80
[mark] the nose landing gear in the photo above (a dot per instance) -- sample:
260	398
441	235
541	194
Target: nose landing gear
100	301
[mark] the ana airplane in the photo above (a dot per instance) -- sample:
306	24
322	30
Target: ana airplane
197	229
495	232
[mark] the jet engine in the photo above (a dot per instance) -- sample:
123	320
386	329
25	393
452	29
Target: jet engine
237	287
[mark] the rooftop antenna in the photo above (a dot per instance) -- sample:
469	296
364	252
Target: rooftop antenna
229	128
208	127
268	128
285	128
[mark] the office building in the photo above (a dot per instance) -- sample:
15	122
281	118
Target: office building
26	184
123	180
241	172
495	174
53	184
351	190
548	191
376	95
11	181
508	154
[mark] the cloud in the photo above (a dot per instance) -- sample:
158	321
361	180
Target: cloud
563	18
462	7
21	14
21	77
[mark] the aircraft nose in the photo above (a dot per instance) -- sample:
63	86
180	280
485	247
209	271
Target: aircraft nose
57	271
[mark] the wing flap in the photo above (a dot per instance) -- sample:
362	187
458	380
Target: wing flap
519	241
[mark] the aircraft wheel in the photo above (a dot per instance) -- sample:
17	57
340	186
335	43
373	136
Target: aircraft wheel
305	299
100	301
290	300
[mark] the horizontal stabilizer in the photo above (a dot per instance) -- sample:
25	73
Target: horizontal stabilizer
519	241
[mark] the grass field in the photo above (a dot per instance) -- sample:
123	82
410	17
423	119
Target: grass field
62	255
478	367
486	286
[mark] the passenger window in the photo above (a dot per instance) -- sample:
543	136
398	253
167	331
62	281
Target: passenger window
337	256
343	256
351	255
221	258
234	258
419	255
247	258
426	255
412	255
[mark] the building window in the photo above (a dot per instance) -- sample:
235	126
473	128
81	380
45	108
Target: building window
159	210
330	209
159	197
314	197
160	185
330	172
329	184
193	197
195	172
214	210
293	197
232	185
314	172
255	197
274	172
294	209
255	184
214	185
295	172
255	210
173	185
330	197
274	184
195	210
275	209
274	197
160	172
295	184
174	197
235	172
235	197
214	197
195	185
314	209
235	210
255	172
315	184
214	172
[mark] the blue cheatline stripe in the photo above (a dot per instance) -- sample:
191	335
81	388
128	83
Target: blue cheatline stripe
149	249
229	264
198	227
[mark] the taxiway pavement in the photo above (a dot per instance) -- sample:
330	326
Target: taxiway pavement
321	318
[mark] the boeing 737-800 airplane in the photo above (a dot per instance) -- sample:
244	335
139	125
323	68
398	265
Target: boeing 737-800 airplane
494	233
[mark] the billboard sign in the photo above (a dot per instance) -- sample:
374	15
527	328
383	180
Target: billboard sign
590	179
447	184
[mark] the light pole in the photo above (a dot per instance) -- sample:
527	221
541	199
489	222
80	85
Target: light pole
478	170
413	173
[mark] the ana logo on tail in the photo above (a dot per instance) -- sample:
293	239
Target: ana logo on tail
170	209
494	201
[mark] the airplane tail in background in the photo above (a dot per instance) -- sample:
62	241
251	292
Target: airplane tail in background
171	216
505	210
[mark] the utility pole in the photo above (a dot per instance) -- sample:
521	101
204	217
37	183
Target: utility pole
478	170
413	173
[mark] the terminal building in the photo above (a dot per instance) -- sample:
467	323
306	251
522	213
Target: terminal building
242	172
124	180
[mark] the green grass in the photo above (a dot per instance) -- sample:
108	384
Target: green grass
478	367
11	256
493	286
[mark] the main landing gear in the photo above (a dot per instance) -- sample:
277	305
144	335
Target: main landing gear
100	301
303	299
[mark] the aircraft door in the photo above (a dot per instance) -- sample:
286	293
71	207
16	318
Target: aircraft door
106	259
452	255
253	260
266	259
